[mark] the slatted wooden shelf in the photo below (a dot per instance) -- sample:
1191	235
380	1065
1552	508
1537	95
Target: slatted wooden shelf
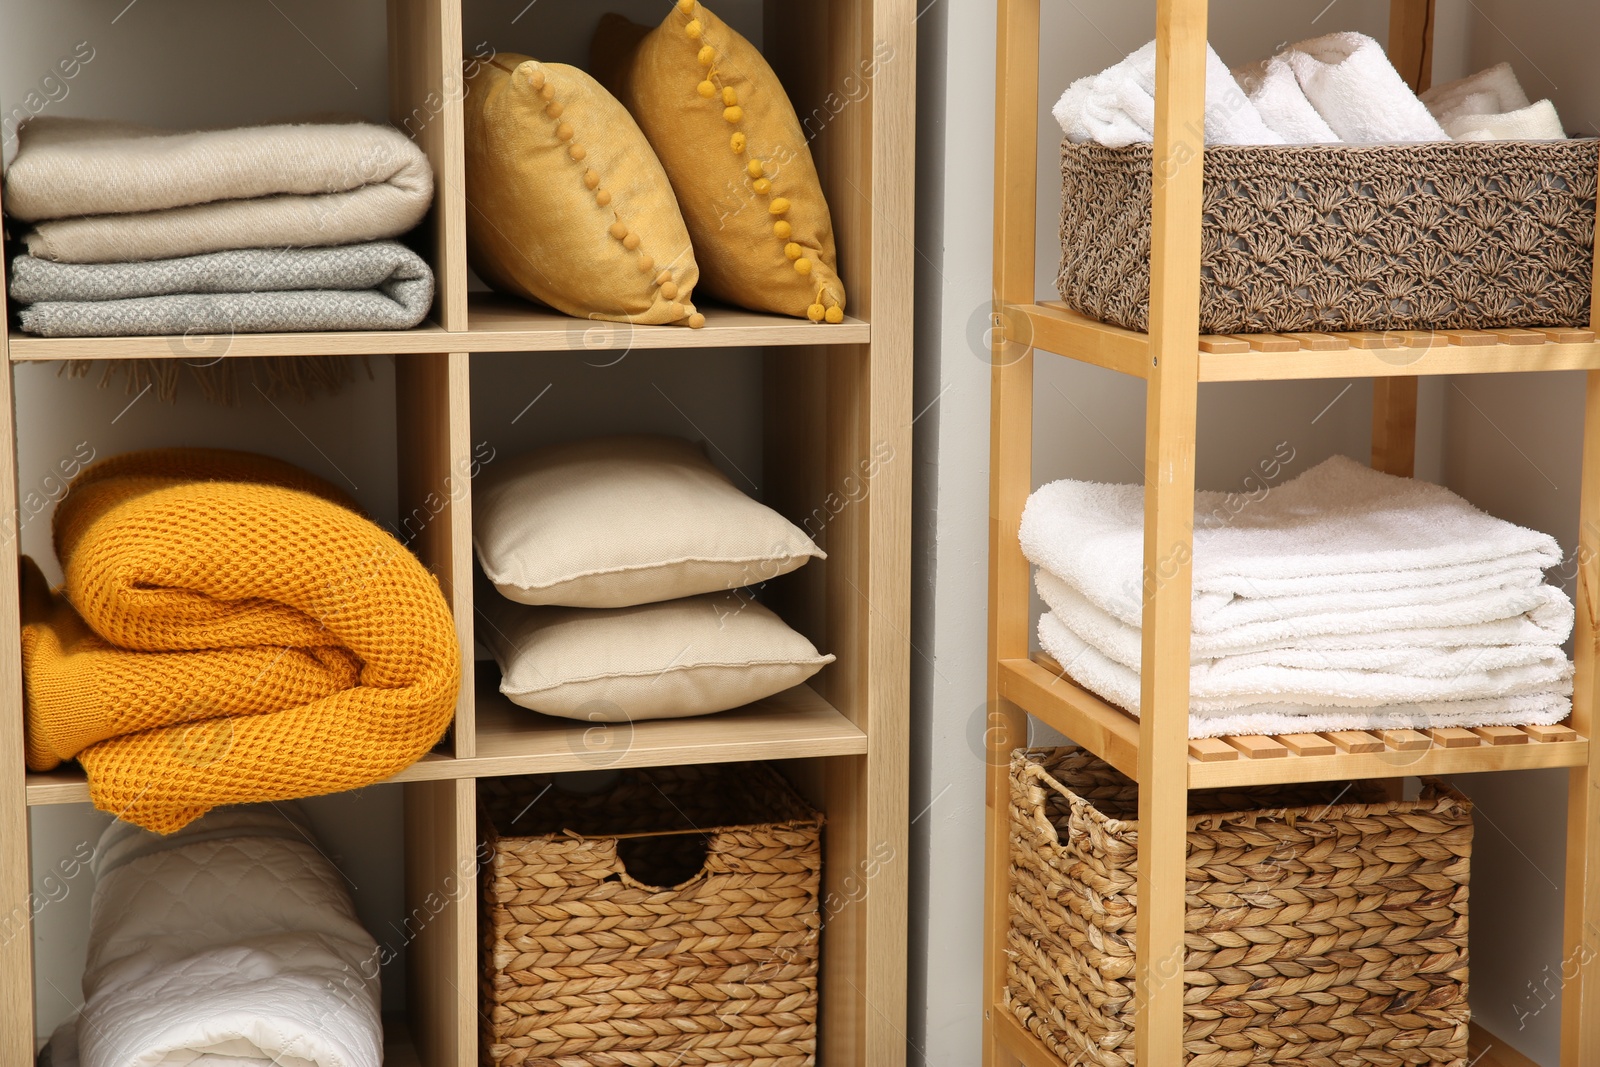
496	324
1040	688
1050	327
795	724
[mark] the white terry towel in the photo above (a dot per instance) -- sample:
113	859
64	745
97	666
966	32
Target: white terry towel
1495	91
1536	122
233	942
1282	104
1340	529
1350	81
1120	685
107	192
1117	107
1533	619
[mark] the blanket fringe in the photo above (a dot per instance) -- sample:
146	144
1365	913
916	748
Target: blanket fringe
301	378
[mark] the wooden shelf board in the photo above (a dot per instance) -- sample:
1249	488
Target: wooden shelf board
502	324
794	724
1039	688
496	324
1050	327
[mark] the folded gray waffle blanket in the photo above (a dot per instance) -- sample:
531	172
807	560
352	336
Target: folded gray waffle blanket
106	192
380	285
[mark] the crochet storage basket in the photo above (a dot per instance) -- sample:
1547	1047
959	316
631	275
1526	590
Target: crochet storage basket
671	919
1448	235
1325	924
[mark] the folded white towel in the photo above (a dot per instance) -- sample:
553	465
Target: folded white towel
1536	122
1495	91
1282	104
1537	619
1357	91
1120	685
1339	529
1117	107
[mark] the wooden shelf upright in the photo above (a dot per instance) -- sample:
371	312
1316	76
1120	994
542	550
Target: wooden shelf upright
1173	359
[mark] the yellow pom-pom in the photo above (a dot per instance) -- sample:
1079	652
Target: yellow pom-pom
591	180
669	291
696	321
686	6
803	266
816	312
536	80
578	152
554	109
729	97
548	92
663	278
756	168
677	311
708	56
646	264
694	29
733	114
835	315
631	243
782	231
761	186
618	230
603	197
565	131
793	251
737	143
779	206
706	89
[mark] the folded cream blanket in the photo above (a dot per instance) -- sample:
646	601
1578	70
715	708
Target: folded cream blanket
233	942
1489	92
380	285
104	192
1117	107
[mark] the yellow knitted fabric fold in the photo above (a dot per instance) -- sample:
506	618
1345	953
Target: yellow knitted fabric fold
229	632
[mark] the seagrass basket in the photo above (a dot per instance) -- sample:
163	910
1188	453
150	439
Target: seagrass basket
671	918
1325	924
1447	235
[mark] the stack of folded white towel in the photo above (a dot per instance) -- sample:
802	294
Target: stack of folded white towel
1340	88
1345	599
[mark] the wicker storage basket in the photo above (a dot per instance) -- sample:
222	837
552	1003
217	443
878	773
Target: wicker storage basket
1451	235
1325	924
672	919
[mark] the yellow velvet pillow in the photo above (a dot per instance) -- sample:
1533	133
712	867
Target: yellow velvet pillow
730	141
567	203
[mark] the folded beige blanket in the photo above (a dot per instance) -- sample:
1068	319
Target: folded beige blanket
106	192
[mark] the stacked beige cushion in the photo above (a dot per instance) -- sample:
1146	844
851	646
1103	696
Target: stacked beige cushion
624	563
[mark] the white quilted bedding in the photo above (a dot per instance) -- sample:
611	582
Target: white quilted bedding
231	943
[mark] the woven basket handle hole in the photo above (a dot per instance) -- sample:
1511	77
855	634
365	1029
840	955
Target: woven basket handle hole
664	862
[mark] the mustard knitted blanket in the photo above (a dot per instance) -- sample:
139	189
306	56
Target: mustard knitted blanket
229	631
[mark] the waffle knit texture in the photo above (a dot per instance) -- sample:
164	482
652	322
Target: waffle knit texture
230	631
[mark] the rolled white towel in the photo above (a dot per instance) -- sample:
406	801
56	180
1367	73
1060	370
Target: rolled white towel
1536	122
1357	91
1495	91
1117	107
1282	104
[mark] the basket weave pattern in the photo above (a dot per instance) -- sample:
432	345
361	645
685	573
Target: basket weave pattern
1450	235
1325	925
586	966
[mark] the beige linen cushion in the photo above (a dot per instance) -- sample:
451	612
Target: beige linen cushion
659	661
618	521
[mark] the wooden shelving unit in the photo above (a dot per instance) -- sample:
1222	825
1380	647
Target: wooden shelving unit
1173	359
837	400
